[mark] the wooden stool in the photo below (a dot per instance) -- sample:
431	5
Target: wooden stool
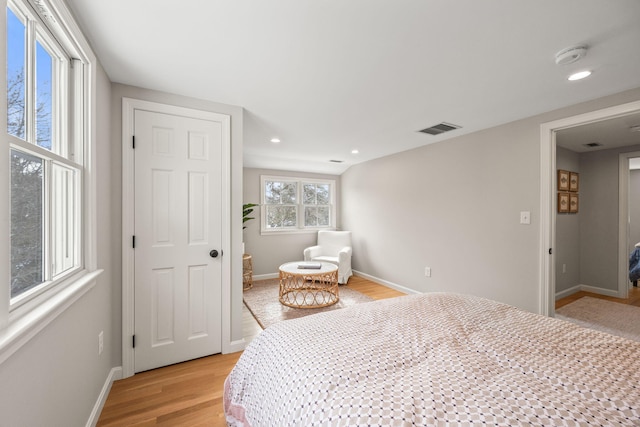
247	272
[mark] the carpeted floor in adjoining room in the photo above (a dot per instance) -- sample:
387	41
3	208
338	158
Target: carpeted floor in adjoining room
607	316
262	301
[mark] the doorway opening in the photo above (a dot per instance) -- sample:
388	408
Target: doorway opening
548	202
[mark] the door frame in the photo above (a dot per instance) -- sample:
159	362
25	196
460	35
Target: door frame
548	200
623	222
129	105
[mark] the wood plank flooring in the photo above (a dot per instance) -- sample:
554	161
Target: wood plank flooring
190	393
185	394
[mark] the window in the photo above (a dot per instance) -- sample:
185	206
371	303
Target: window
296	204
317	204
46	173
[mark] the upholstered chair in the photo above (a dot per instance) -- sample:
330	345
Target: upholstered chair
333	247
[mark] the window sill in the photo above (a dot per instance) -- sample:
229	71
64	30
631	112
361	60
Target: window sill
296	231
20	330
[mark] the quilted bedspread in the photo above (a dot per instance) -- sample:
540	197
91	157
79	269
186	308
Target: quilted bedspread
434	359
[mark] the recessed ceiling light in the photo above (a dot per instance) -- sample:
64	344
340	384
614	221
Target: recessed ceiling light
354	151
275	140
579	75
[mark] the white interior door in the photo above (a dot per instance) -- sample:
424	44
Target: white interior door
178	223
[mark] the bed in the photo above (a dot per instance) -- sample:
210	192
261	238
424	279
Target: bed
433	360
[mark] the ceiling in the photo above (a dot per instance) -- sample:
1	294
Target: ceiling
328	77
612	133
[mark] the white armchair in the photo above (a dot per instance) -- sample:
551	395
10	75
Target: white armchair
333	247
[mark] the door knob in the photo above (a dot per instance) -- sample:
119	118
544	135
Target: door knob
213	253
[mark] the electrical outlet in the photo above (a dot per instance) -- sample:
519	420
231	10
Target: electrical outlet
100	342
427	271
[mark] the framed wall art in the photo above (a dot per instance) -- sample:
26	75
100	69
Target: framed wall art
574	203
574	181
563	202
563	180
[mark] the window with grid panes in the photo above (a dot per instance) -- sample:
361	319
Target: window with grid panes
46	153
296	204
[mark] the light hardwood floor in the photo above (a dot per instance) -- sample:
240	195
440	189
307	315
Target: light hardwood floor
190	393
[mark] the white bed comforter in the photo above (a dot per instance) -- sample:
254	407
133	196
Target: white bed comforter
434	360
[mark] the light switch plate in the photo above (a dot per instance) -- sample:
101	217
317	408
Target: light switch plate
525	217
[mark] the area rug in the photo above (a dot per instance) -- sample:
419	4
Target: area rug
607	316
262	301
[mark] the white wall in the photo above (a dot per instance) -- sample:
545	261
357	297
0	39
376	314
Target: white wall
567	231
455	207
599	204
599	219
55	379
271	251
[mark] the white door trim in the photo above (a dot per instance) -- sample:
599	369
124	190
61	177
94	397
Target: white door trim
129	106
548	189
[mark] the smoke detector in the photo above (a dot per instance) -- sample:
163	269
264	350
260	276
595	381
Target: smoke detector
570	54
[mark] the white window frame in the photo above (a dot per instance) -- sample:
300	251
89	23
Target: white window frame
299	227
59	157
30	312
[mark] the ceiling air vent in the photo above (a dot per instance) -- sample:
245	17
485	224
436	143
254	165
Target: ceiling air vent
593	144
336	161
440	128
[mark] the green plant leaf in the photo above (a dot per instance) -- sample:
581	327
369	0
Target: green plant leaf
247	209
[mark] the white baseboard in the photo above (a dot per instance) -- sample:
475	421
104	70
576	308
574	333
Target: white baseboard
586	288
386	283
594	290
568	292
266	276
235	346
357	273
114	375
